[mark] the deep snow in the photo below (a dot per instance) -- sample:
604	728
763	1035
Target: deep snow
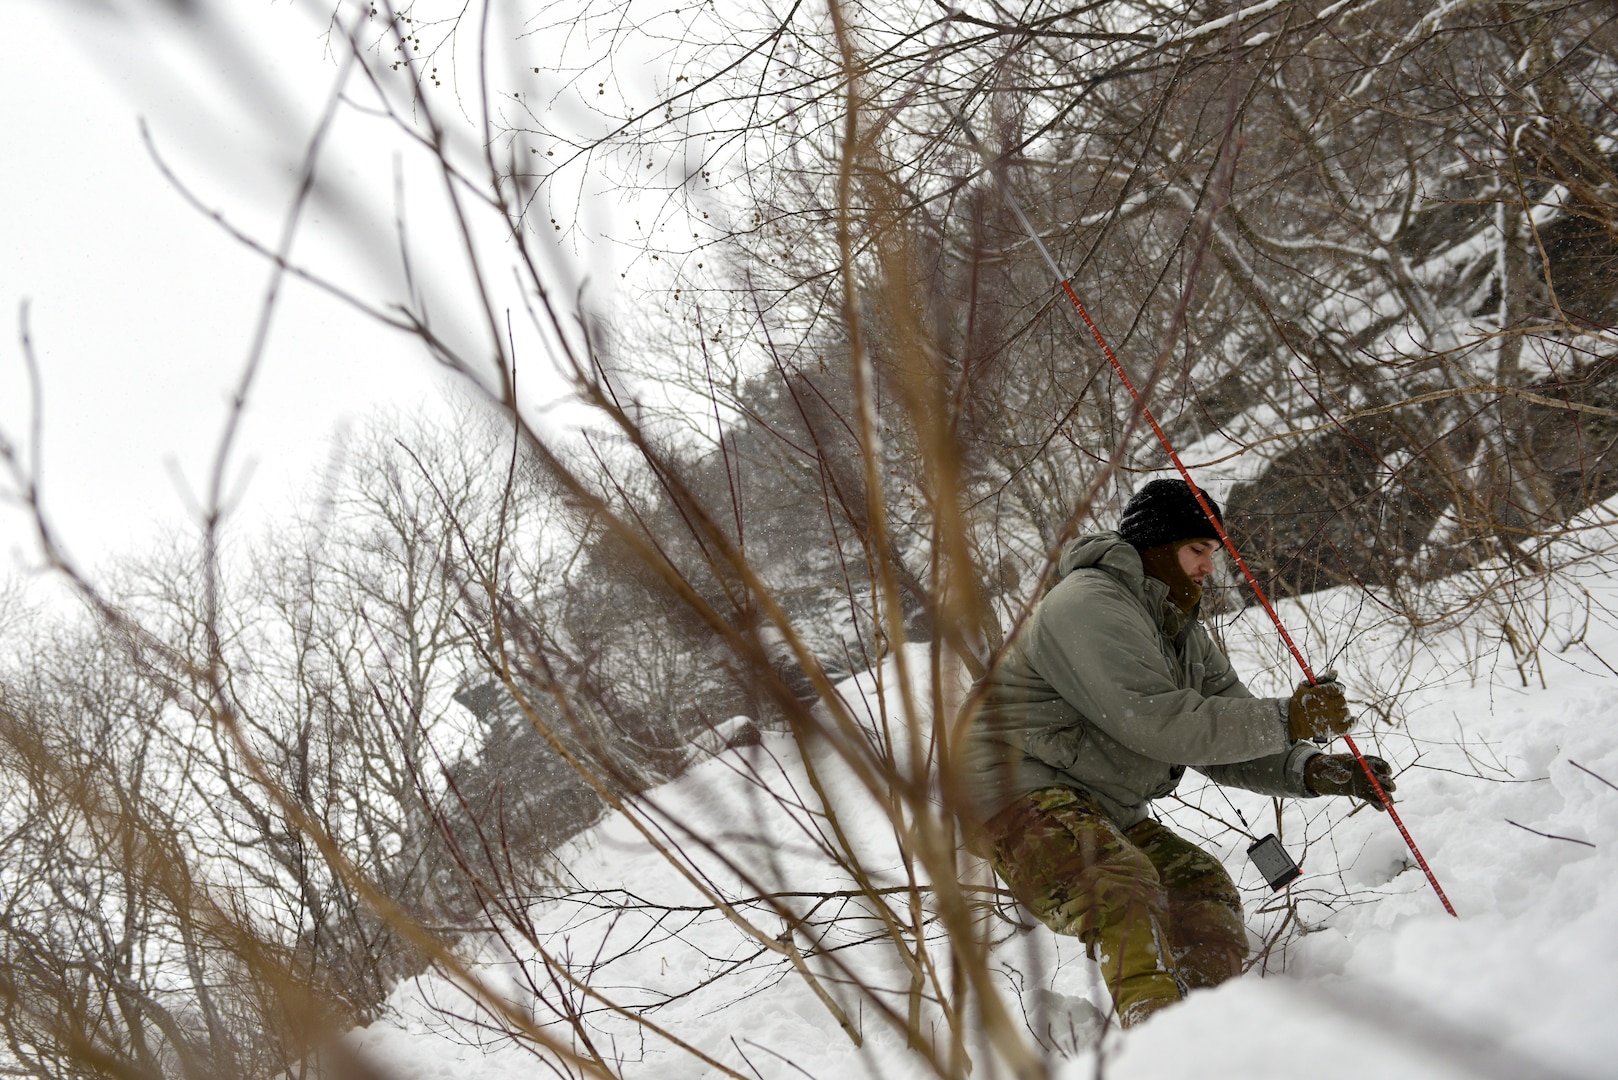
1382	984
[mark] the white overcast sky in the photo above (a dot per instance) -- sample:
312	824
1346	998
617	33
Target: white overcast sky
141	310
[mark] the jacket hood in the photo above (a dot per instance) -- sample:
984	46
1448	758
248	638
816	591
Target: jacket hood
1105	549
1112	553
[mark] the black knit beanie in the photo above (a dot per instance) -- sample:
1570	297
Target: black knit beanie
1165	512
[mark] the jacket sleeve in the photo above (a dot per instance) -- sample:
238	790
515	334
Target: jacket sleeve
1221	677
1278	774
1094	644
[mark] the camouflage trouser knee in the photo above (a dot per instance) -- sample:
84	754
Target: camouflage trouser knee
1157	913
1207	940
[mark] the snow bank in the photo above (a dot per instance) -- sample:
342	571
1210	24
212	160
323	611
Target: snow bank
1507	785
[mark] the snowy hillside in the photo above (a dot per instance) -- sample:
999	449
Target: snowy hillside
1506	784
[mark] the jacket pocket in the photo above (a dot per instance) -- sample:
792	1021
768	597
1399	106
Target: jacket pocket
1057	747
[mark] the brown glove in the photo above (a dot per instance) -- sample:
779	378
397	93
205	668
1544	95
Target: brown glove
1340	774
1318	711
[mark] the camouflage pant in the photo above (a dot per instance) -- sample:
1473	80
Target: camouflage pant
1159	914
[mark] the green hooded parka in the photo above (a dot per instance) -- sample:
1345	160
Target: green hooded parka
1111	689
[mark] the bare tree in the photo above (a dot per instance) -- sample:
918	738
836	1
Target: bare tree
1356	257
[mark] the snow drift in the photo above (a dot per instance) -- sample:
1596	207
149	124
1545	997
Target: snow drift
1507	761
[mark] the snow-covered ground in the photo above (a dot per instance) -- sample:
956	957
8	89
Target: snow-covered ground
1506	778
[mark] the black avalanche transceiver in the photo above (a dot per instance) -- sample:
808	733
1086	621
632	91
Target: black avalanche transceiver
1273	862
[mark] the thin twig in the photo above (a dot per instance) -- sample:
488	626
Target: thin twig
1550	836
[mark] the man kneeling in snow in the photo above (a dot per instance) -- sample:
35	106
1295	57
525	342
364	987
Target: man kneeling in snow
1111	689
